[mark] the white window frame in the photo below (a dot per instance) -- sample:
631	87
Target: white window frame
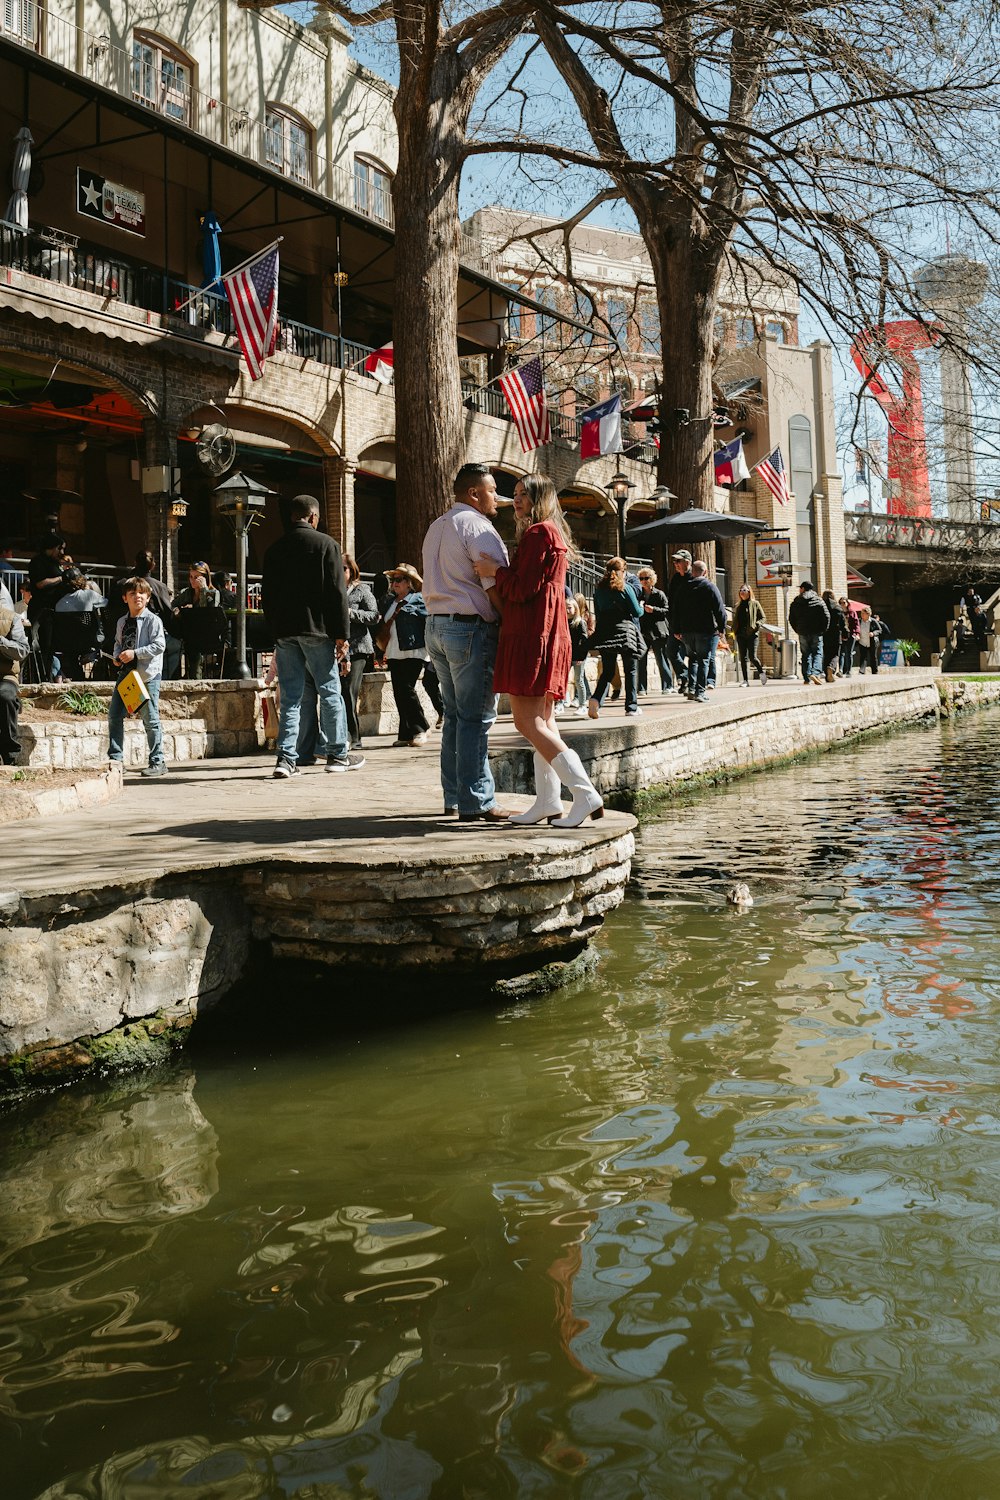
373	189
165	81
281	144
22	23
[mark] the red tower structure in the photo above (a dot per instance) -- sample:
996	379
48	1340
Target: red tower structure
909	481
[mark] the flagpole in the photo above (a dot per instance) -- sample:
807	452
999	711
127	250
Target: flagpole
202	290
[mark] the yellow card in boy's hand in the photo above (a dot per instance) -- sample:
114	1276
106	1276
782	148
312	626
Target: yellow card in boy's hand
132	691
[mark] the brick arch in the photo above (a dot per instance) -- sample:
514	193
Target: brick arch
589	492
46	347
273	422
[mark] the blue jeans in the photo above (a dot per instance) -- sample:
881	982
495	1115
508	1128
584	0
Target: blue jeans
630	676
846	657
678	660
311	741
463	653
149	713
315	656
661	655
811	647
700	647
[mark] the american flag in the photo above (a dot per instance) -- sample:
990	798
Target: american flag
525	392
772	470
253	297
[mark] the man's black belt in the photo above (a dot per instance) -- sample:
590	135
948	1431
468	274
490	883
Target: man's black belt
465	618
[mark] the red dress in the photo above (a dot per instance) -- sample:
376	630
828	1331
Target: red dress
535	654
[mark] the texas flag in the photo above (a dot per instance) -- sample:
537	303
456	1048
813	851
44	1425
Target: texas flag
730	465
379	363
601	428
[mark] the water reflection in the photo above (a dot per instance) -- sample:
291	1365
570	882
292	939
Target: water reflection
720	1223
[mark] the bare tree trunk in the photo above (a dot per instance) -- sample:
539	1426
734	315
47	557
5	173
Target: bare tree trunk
686	275
429	444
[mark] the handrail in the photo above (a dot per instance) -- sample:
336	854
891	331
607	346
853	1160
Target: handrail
867	529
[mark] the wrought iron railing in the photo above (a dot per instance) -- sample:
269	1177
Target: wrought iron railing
93	55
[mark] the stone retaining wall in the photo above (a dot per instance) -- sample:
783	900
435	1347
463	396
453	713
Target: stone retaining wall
736	737
201	720
105	978
80	975
492	918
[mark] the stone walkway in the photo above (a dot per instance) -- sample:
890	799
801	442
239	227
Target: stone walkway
211	814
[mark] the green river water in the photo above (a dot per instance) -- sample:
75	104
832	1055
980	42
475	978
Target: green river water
720	1222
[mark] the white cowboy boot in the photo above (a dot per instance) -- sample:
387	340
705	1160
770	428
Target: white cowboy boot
548	795
586	800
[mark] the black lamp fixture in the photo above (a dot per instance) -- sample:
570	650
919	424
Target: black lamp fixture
661	497
242	501
618	489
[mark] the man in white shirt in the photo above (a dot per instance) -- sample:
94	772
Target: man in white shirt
461	637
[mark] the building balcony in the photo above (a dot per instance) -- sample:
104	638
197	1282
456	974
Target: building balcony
171	94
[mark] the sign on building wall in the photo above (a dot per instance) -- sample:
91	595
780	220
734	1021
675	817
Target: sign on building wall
770	556
111	202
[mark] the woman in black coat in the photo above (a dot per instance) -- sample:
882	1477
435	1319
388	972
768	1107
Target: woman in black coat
655	632
616	633
833	636
364	614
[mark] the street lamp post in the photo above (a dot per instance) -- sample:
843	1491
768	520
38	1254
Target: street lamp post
618	490
241	501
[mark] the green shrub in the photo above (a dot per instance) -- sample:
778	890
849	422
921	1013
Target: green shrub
82	702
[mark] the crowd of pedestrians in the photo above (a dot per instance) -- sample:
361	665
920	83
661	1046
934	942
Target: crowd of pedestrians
834	635
468	625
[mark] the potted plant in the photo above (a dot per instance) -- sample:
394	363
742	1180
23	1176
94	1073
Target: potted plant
908	650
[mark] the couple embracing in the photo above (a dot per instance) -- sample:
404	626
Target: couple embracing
531	659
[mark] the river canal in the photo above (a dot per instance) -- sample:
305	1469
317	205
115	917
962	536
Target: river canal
721	1222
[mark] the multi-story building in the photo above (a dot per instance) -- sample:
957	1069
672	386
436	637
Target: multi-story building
768	387
164	141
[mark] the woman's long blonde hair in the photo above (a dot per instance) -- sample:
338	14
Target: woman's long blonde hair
545	507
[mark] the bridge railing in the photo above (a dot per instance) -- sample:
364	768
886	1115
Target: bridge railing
921	531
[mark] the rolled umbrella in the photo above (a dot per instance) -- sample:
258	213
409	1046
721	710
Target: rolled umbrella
211	254
16	211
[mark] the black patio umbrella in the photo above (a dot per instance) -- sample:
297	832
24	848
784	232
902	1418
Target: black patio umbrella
698	526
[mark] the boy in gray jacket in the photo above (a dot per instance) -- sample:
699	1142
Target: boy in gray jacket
139	646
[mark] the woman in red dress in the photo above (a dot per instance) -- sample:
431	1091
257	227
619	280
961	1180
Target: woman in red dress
535	654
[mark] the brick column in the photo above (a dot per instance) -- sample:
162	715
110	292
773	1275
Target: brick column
338	499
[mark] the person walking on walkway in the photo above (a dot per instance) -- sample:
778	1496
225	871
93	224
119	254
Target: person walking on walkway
461	637
699	619
616	634
869	640
833	636
809	617
14	648
747	620
304	597
406	652
676	585
363	612
535	653
655	632
849	637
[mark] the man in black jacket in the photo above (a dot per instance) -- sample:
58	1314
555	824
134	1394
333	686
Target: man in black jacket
699	618
304	597
810	619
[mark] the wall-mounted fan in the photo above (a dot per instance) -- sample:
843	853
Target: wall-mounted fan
216	448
